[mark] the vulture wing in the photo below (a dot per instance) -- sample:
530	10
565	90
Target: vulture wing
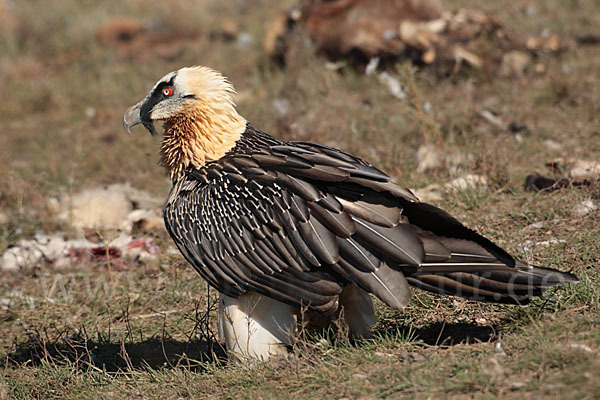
298	221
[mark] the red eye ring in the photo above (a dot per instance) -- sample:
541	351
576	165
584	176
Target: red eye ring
167	92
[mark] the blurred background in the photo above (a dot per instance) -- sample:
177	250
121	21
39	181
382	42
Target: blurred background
490	110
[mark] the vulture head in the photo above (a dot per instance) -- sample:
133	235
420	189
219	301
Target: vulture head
200	122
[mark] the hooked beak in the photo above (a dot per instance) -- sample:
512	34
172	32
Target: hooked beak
132	117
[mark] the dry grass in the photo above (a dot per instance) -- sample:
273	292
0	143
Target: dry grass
148	331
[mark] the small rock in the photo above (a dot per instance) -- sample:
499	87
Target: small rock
5	303
90	112
514	63
585	169
372	66
461	54
244	40
429	194
584	208
552	43
393	84
578	346
528	246
335	66
499	349
575	168
549	242
468	181
430	158
548	42
427	107
537	225
281	106
552	145
518	385
551	387
493	118
539	68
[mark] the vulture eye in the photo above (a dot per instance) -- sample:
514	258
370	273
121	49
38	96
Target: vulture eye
167	92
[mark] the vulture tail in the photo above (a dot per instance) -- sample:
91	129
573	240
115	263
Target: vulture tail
460	262
508	285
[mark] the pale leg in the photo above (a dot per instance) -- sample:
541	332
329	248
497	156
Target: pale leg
359	313
255	326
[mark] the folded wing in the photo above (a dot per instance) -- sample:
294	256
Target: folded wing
298	221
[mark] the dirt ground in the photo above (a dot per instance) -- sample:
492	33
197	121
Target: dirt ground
145	328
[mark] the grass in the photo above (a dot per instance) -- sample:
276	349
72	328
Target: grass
148	331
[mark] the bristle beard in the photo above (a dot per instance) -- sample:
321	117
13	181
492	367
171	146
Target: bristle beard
198	136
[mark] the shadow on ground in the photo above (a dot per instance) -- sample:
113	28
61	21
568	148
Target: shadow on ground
153	353
160	353
441	333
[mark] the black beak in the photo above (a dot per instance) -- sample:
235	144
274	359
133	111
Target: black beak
133	117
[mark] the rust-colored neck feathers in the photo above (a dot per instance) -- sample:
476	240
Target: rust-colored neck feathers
197	136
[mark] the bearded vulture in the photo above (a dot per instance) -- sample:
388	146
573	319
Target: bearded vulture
280	226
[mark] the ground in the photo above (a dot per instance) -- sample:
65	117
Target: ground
147	331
